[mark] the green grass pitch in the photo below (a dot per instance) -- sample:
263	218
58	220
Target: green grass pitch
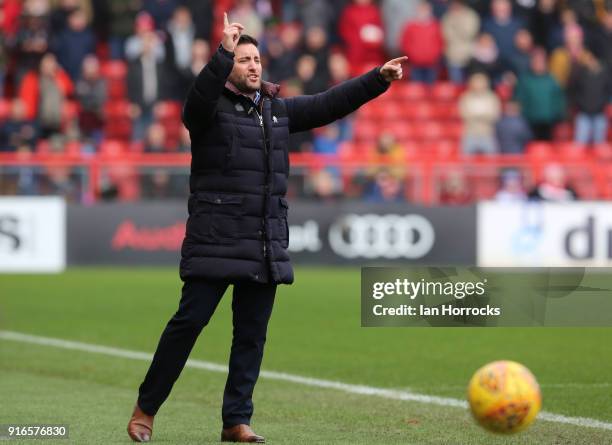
314	332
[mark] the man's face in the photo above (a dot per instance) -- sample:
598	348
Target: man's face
246	74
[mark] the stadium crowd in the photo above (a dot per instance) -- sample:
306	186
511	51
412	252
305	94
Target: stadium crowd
516	71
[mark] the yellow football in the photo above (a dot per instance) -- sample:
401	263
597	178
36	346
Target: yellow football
504	397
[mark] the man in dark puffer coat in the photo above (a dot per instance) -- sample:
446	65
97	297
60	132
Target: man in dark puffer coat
237	229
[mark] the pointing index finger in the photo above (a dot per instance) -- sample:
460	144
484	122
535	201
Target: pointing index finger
399	60
225	20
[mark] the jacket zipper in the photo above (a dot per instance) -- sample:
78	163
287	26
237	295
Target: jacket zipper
263	133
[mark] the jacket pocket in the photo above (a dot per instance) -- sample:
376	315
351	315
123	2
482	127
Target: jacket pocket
215	218
283	223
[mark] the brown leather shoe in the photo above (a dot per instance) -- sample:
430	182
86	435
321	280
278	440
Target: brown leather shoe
240	433
140	426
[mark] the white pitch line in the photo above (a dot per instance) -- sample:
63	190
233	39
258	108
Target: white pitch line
307	381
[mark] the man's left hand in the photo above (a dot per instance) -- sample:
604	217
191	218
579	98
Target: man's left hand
392	70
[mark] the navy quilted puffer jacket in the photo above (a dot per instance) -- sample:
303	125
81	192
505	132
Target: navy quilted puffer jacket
237	227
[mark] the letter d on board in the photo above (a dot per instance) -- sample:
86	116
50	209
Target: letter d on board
581	237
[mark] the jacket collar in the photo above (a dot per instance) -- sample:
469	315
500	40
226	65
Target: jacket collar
268	89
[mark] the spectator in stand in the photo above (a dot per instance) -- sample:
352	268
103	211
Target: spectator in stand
589	90
513	131
396	13
61	181
460	25
184	141
600	38
545	25
520	61
485	59
18	130
245	13
284	52
122	17
32	39
160	10
316	45
200	54
327	139
10	10
511	188
385	187
479	108
324	185
144	29
61	10
542	99
439	7
387	151
145	76
202	16
422	42
339	69
155	141
307	73
563	58
315	14
553	187
3	60
503	26
91	94
179	50
75	42
44	93
455	190
361	30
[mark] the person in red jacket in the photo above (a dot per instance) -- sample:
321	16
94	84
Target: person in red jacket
44	93
360	27
422	42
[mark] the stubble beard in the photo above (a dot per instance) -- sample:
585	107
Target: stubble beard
243	85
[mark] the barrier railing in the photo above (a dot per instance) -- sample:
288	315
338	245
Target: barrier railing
424	178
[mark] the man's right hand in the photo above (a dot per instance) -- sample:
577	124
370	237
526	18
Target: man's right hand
231	34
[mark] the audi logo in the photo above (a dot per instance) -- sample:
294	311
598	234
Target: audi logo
381	236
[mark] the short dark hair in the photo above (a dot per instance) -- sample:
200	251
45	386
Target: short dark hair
245	39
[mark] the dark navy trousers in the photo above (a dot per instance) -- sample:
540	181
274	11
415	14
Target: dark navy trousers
251	306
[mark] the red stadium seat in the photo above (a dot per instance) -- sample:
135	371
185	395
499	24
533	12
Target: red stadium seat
5	109
410	90
117	89
389	110
402	130
446	110
367	111
73	149
354	150
417	110
452	130
572	151
168	110
609	111
445	91
563	132
113	148
114	69
429	130
540	151
43	147
603	151
365	130
442	149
